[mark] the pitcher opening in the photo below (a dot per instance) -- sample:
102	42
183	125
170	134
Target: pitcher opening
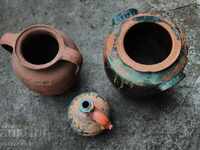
147	43
85	104
39	47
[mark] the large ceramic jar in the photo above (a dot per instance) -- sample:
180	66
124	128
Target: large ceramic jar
144	53
46	60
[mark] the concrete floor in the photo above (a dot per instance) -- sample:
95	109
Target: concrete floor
30	121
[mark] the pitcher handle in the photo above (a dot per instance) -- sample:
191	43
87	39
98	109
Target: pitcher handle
8	40
73	56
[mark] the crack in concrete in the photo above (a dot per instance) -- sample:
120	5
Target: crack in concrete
185	6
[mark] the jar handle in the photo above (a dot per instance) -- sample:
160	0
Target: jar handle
123	15
72	56
7	41
168	84
101	119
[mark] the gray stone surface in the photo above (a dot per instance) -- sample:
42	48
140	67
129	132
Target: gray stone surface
30	121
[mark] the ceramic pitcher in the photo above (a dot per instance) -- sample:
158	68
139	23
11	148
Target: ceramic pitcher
46	60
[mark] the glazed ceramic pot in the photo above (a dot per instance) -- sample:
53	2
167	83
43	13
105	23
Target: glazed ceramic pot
88	114
144	53
46	60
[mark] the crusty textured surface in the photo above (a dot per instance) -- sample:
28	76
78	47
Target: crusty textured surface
83	123
30	121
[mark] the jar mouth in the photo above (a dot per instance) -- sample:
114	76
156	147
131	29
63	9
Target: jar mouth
148	46
147	43
37	47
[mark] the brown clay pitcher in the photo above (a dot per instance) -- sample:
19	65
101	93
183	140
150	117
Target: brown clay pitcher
46	60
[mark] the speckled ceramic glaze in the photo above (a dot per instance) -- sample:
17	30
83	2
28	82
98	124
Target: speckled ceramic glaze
88	114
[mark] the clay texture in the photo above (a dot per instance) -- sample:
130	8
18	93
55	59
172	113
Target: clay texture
88	114
175	125
46	60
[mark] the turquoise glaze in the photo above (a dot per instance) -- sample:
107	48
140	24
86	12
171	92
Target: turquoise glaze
135	82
